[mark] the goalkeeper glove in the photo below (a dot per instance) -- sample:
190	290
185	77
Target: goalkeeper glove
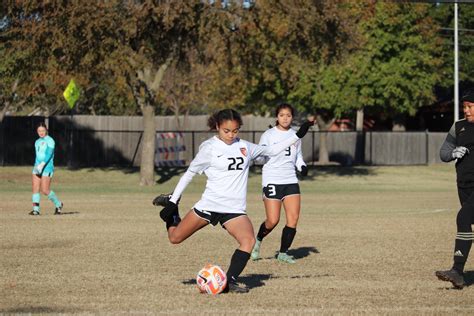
459	152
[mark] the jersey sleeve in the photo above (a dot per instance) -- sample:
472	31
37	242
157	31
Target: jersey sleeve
445	153
181	186
200	163
271	150
203	158
299	156
263	142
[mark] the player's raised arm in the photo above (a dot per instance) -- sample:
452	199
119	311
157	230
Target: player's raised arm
272	150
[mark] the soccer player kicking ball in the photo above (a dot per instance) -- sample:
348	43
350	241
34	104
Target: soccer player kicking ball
43	171
459	145
224	159
280	184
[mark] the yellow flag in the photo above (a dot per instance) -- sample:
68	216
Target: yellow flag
71	93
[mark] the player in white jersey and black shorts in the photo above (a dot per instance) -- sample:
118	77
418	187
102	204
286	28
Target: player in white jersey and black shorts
280	184
225	160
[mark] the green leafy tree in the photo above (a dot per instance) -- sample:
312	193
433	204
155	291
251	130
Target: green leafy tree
443	14
50	42
393	71
403	57
278	40
117	51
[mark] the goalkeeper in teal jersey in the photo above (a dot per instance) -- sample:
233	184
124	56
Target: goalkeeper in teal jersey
43	171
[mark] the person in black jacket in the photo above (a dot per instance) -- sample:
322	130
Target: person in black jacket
458	145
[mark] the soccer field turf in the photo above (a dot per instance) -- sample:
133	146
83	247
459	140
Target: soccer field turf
369	240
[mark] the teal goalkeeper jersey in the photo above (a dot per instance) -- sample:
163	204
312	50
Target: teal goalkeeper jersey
44	148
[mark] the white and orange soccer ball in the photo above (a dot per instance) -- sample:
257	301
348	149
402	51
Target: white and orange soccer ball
211	279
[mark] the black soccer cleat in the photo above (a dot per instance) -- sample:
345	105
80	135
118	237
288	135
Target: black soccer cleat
58	210
34	213
234	287
163	199
453	276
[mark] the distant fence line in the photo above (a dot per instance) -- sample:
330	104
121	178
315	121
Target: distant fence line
87	141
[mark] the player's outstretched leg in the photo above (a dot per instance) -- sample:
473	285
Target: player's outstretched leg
170	215
180	230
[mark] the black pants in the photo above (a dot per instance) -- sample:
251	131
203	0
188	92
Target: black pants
464	220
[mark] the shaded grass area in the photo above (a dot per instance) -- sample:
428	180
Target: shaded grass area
368	241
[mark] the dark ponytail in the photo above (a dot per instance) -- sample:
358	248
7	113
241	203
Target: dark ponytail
223	115
281	107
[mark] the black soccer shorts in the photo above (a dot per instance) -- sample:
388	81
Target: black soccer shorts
214	218
280	191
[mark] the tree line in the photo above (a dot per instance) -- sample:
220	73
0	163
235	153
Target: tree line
331	58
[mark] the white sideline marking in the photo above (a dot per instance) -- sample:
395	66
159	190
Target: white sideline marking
431	212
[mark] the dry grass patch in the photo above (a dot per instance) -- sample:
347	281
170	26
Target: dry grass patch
368	242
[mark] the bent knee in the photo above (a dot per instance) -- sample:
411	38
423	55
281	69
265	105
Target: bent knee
175	239
271	223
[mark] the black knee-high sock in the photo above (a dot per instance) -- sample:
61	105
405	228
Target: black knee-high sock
464	237
263	231
461	252
173	221
237	264
287	236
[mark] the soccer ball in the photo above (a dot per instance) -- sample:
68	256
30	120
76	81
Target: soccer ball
211	279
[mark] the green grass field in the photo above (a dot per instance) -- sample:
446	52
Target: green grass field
368	242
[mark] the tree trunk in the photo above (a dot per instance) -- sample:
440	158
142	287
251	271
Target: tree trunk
324	125
147	164
4	111
360	120
399	123
2	149
9	100
323	148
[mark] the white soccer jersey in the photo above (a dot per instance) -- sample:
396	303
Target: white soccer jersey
226	168
280	169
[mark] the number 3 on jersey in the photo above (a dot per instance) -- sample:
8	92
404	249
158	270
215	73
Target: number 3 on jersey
236	163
